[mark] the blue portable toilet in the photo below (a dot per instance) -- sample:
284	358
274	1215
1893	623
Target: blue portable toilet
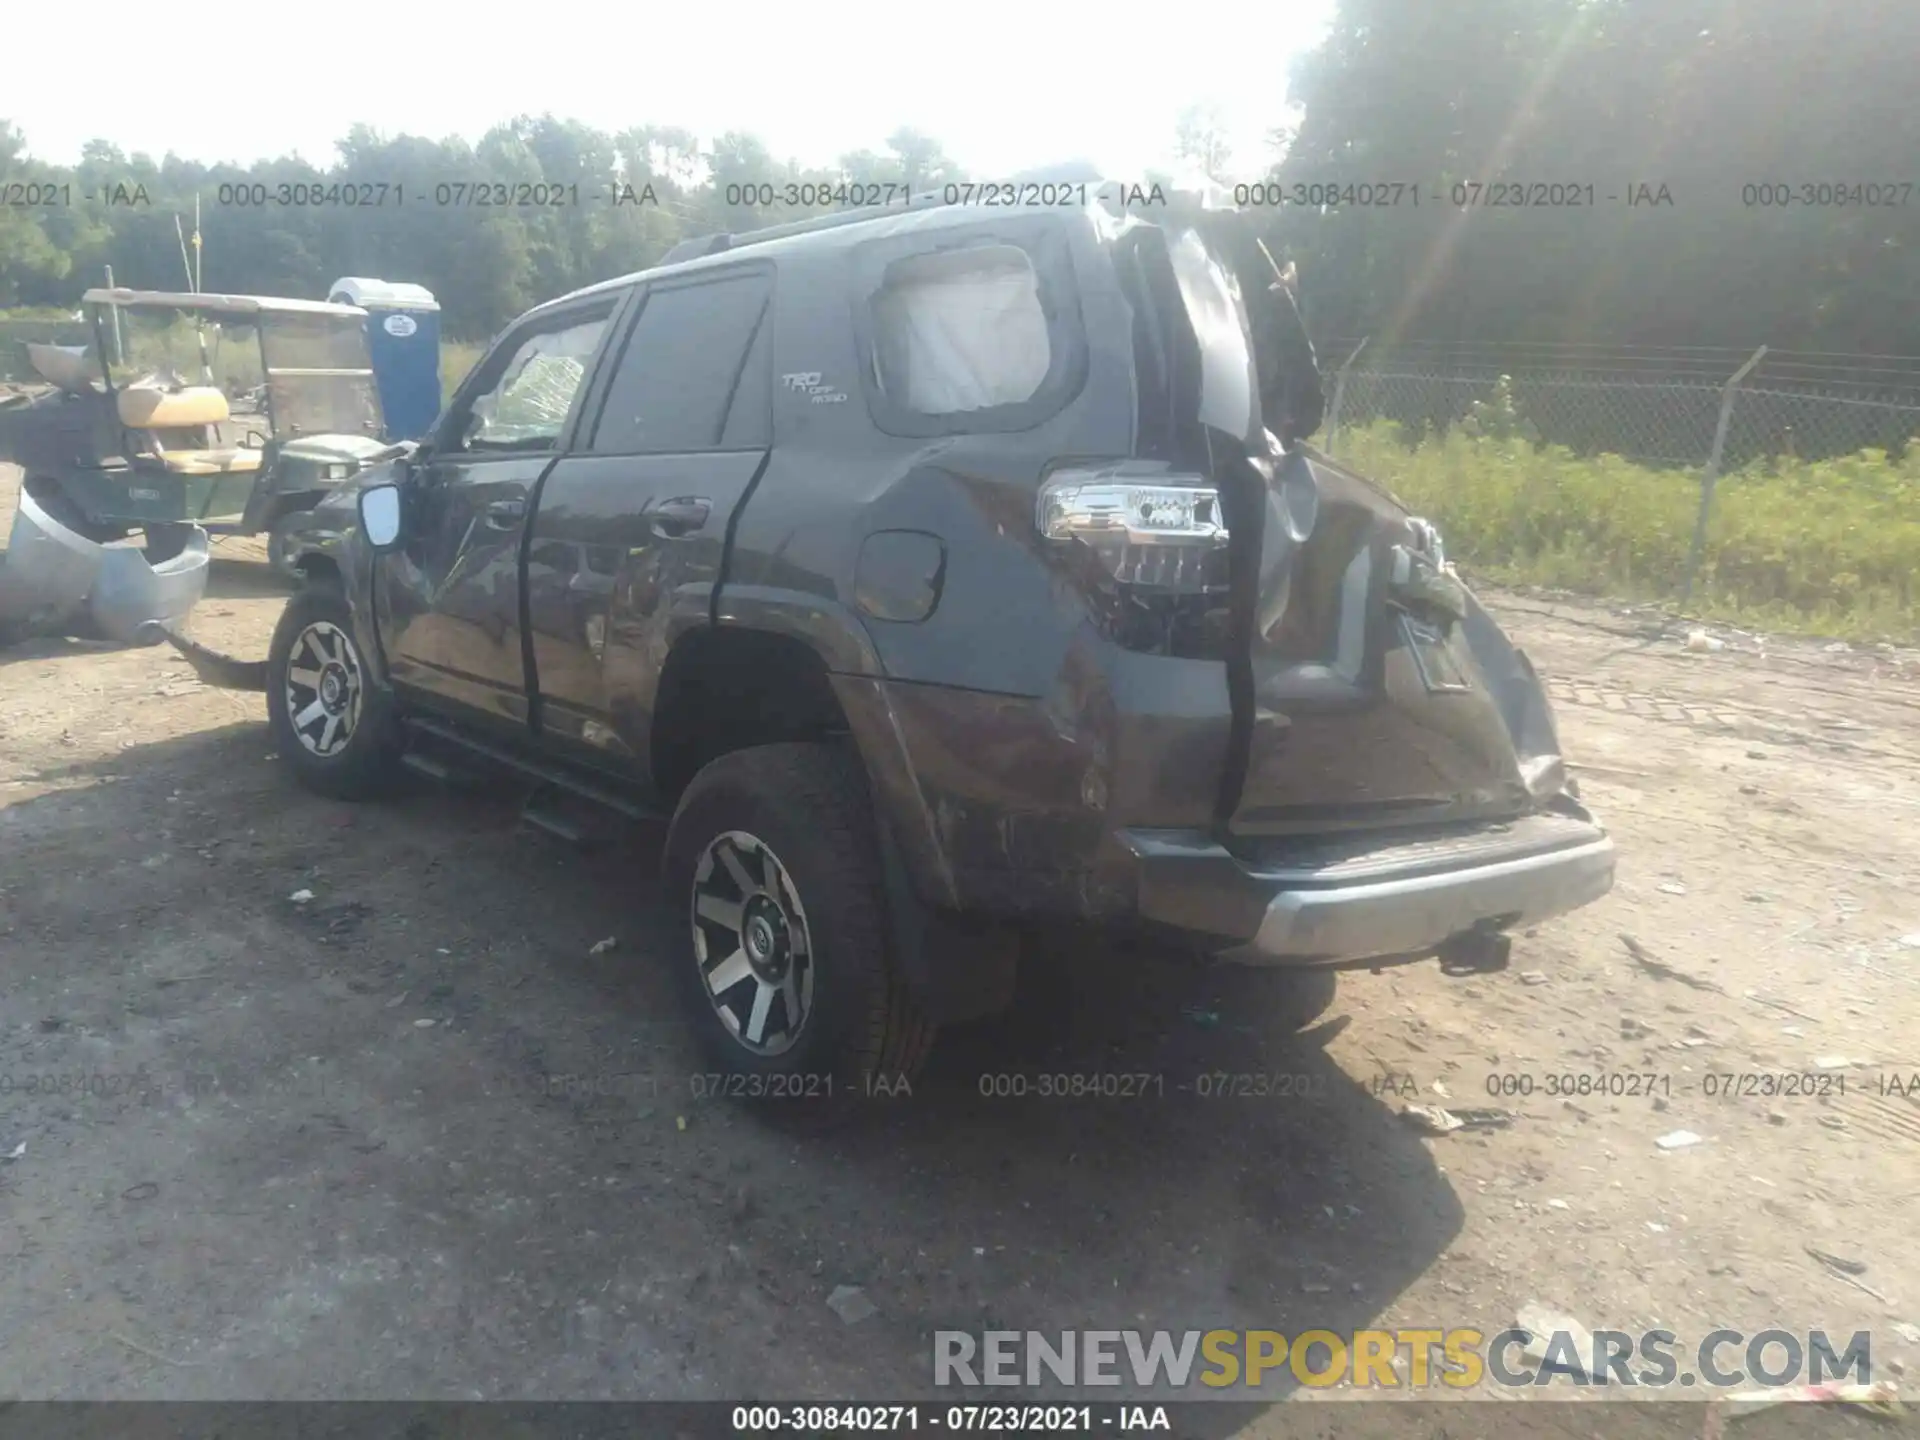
403	337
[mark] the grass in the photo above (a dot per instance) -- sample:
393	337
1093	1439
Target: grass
1828	547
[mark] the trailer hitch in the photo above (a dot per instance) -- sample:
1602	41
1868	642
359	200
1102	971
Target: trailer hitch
1480	951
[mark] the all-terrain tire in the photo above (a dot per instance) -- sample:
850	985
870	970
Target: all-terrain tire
807	806
335	729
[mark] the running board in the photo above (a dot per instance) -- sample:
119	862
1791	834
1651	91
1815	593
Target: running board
553	823
428	767
526	767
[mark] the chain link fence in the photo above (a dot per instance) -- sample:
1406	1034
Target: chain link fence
1703	412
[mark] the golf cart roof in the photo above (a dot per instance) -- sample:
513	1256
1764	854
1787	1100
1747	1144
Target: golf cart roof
227	304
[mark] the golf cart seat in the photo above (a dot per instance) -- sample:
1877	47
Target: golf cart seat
225	461
143	408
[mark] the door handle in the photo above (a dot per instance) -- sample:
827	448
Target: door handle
505	514
679	516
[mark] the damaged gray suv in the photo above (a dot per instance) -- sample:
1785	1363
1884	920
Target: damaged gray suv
938	574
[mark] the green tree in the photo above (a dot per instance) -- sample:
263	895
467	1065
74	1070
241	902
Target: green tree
29	258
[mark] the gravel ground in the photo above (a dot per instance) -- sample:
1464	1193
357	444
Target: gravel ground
413	1137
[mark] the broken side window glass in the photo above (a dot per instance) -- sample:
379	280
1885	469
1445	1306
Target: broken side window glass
529	406
961	330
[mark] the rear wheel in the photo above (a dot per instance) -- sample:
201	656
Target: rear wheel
789	980
331	724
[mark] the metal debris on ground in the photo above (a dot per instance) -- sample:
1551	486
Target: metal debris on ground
1432	1119
1544	1326
1700	642
851	1304
1533	977
301	897
601	947
1673	887
1882	1397
1484	1119
16	1152
1838	1262
1757	998
1660	967
1677	1140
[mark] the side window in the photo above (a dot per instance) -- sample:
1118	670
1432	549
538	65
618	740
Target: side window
960	330
694	372
526	404
750	420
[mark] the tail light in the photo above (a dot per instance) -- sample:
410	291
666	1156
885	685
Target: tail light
1155	533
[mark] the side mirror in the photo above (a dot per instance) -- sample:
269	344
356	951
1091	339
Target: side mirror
380	516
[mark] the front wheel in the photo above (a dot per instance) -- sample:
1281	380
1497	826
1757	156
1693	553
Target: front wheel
789	980
331	724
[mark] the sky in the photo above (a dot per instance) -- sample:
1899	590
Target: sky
1003	86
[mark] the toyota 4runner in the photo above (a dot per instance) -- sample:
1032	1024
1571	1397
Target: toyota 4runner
941	573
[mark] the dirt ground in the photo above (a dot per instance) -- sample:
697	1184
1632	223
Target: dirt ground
420	1136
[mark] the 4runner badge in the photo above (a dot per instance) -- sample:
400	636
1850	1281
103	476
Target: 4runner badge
808	383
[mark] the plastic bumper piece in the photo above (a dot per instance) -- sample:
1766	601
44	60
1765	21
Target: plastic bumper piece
49	576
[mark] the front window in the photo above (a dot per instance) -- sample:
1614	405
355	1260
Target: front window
527	405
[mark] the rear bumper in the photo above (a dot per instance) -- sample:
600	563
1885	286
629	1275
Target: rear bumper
1416	916
1395	902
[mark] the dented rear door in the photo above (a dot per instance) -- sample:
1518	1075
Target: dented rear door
1359	697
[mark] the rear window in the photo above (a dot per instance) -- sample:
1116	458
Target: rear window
979	335
960	330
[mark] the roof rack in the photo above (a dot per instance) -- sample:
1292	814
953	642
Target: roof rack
703	245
